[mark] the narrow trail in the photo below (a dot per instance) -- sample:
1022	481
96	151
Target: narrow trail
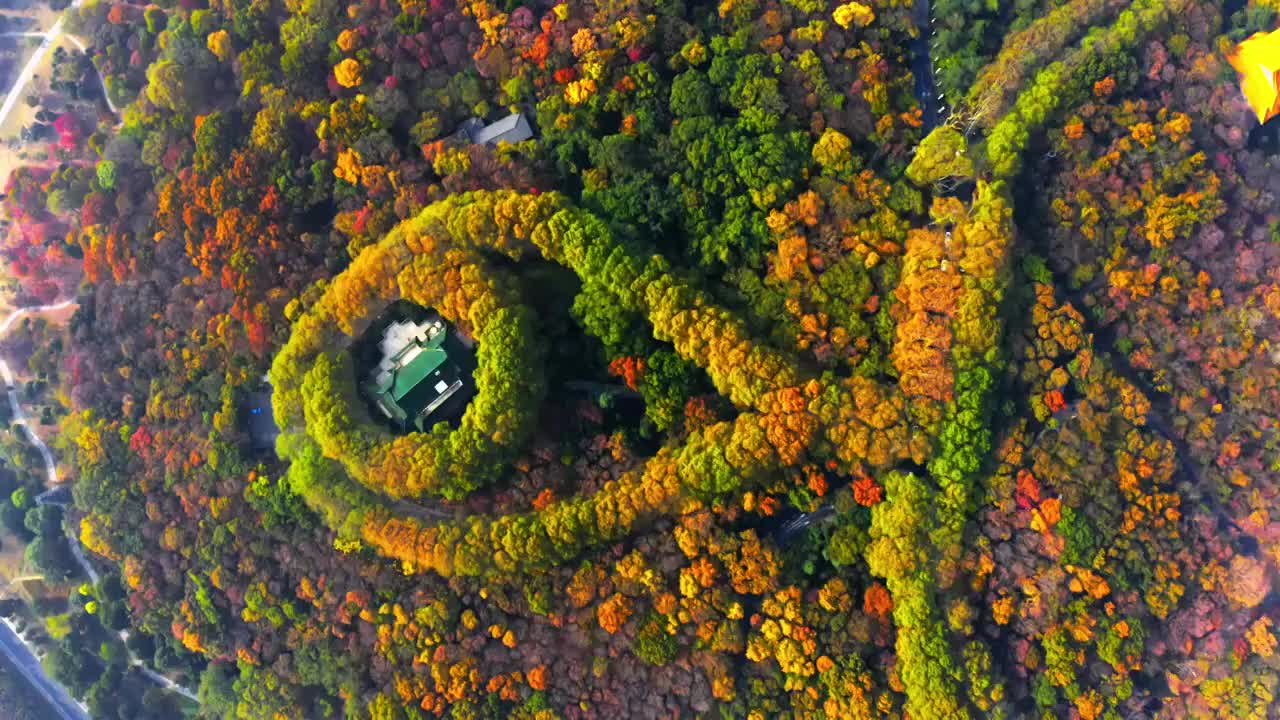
22	657
19	415
53	481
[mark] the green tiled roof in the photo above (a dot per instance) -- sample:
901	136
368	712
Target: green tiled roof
419	378
404	380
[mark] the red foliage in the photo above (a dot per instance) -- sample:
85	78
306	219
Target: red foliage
1028	492
866	491
630	369
1054	400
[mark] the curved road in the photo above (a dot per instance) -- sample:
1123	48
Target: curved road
51	470
29	69
101	80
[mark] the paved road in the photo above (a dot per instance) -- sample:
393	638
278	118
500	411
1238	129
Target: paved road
80	44
922	66
55	695
29	70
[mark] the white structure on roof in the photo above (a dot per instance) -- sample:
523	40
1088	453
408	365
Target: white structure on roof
401	342
512	128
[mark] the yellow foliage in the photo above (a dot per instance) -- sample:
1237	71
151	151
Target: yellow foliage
348	39
1088	580
1044	517
348	166
191	641
132	572
1261	641
579	91
219	43
853	13
348	73
584	41
1089	705
93	538
1256	61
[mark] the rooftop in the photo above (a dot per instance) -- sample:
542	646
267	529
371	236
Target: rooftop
415	375
513	128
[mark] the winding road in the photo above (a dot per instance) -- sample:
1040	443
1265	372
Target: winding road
7	645
19	653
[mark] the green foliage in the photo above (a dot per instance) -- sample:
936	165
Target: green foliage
653	643
667	381
942	154
900	551
107	174
723	191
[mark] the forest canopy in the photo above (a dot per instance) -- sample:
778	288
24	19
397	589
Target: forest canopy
831	360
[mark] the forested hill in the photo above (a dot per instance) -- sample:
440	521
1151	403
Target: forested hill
787	403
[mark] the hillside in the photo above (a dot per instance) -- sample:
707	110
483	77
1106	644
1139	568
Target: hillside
650	359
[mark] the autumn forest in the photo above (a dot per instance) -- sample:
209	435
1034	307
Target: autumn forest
880	359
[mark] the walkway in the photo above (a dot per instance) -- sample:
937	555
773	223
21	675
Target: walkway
19	415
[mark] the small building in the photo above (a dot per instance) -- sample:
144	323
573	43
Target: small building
513	128
415	376
257	419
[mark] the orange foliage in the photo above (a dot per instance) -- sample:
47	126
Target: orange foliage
537	677
613	613
866	491
876	601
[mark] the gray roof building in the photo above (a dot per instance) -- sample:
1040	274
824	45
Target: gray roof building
512	128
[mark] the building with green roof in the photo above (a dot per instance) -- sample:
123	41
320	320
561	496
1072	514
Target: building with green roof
416	375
